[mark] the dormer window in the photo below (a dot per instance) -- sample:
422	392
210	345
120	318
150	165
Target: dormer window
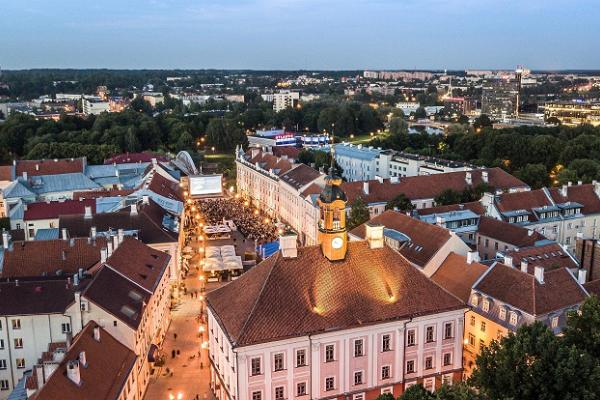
502	314
513	318
485	306
475	300
554	322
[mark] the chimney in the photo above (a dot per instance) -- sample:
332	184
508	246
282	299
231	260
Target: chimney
374	235
439	220
524	265
94	232
73	372
472	257
115	240
508	260
134	210
75	279
109	248
64	234
530	232
366	187
88	212
83	359
485	176
145	199
539	274
25	175
103	255
563	190
5	240
468	178
288	245
120	235
37	167
579	183
64	255
569	183
97	333
581	276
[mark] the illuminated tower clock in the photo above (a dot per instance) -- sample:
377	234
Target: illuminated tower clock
332	221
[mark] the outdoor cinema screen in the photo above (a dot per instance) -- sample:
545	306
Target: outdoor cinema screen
204	185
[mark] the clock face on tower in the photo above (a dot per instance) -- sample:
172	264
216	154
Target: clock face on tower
337	242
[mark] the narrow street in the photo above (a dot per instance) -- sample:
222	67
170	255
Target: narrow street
186	375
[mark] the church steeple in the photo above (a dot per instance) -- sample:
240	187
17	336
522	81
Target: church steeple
333	236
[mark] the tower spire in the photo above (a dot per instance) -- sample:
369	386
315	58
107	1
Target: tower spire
332	150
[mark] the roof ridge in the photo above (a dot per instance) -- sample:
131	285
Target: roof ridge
273	263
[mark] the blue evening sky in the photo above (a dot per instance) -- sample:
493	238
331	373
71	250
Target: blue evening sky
300	34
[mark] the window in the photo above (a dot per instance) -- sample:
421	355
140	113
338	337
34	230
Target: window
4	384
471	339
410	338
447	359
502	314
410	367
20	363
385	372
358	378
301	389
2	364
358	348
475	300
16	323
329	353
428	362
429	334
358	396
447	379
255	366
513	318
329	383
115	323
472	320
279	393
278	362
481	344
300	358
385	343
485	306
554	322
1	344
256	396
66	327
18	343
448	330
483	325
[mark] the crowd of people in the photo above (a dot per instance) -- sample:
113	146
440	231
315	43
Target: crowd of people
249	224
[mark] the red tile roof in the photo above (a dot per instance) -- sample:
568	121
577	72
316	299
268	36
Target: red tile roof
139	262
47	257
300	176
474	206
523	201
165	187
269	161
521	290
312	189
289	151
290	297
593	287
582	194
50	167
457	276
549	257
135	158
428	186
6	173
508	233
54	209
425	239
109	364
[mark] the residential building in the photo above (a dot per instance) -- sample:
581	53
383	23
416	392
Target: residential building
463	221
459	105
587	252
45	215
285	99
573	113
500	98
94	105
360	322
154	98
496	236
547	256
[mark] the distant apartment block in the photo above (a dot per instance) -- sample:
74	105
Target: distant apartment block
573	114
94	105
285	99
500	98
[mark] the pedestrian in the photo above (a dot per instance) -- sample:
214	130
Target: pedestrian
201	365
173	353
175	336
178	352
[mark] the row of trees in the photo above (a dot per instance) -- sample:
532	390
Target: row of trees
533	364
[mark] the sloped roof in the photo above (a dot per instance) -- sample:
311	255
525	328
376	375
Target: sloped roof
582	194
135	157
94	194
269	161
429	186
523	291
457	276
300	176
6	172
548	256
164	187
474	206
523	201
54	209
424	239
109	364
508	233
50	167
290	297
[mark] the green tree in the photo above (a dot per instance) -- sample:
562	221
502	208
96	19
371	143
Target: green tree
483	121
359	213
416	392
225	134
398	126
586	169
535	175
447	197
583	327
385	396
400	202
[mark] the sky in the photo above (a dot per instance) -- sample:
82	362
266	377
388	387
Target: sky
300	34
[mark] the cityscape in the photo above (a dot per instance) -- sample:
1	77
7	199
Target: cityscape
298	224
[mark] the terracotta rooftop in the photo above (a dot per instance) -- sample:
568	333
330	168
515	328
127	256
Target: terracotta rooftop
54	209
51	257
165	187
289	151
267	161
28	297
109	364
6	172
313	188
290	297
425	240
593	287
523	201
140	263
50	167
300	176
508	233
135	158
549	256
521	290
428	186
582	194
474	206
457	276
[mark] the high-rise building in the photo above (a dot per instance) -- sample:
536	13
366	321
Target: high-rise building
500	98
285	99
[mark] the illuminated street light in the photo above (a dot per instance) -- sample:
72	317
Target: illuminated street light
179	396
